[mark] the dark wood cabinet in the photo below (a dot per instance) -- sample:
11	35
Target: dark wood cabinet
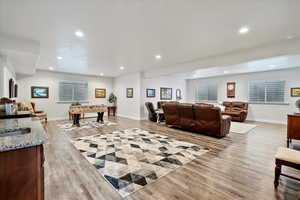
293	129
22	174
111	109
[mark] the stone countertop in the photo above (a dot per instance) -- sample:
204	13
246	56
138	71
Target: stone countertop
35	137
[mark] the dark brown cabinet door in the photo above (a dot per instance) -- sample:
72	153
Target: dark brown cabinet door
21	174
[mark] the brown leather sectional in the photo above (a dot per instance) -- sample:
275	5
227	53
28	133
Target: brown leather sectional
237	110
196	117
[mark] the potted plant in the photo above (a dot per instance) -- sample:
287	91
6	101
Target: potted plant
298	105
112	99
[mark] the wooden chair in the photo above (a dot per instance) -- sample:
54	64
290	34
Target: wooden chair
30	106
286	157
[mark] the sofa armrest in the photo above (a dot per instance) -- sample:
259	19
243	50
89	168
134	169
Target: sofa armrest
244	114
225	124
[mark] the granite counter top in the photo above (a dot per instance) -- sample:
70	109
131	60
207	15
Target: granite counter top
34	134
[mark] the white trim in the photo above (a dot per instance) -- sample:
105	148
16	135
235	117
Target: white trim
129	117
269	121
58	118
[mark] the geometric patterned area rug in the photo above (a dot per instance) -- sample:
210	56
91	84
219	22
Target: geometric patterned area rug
84	124
133	158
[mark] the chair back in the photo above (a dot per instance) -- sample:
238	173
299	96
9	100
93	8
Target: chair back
171	113
208	119
151	112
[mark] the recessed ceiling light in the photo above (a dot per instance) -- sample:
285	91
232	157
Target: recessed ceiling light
158	57
244	30
122	68
101	74
79	33
51	68
59	57
226	72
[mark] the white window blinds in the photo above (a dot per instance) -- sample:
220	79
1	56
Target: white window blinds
73	91
267	91
207	92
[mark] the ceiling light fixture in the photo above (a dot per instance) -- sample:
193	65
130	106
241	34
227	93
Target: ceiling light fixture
158	57
226	72
244	30
101	74
59	57
51	68
122	68
79	33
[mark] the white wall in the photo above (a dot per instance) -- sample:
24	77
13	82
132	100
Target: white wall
128	107
257	112
6	73
134	108
172	81
51	79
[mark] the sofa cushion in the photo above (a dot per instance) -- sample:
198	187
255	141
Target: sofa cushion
186	115
171	113
289	155
240	105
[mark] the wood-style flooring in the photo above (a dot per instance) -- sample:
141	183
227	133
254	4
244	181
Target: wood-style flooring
237	167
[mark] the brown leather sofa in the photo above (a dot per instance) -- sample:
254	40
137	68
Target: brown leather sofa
237	110
160	103
199	118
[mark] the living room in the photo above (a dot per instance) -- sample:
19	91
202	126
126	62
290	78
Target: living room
132	100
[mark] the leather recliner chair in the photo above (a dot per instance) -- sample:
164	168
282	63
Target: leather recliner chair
210	120
198	118
151	112
237	110
160	103
171	114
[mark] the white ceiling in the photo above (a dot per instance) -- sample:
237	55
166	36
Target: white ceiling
132	32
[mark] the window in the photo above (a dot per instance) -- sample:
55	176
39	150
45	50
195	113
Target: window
267	91
207	92
73	91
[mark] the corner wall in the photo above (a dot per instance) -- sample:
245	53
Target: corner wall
257	112
54	109
128	107
6	73
134	108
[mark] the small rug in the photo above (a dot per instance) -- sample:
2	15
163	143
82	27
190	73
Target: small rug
241	128
133	158
84	124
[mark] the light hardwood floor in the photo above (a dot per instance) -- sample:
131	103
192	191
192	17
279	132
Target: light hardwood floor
237	167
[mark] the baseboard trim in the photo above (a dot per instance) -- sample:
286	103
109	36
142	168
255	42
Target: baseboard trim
57	118
269	121
129	117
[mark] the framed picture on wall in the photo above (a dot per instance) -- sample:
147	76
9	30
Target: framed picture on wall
39	92
100	93
295	92
178	94
231	90
150	93
129	92
165	93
